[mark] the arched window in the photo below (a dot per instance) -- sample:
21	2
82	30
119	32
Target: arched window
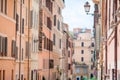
82	44
92	44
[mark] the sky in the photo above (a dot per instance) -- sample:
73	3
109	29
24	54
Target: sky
74	14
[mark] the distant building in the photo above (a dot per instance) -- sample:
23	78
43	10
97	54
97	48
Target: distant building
83	49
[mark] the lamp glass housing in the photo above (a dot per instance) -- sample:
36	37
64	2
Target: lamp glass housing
87	7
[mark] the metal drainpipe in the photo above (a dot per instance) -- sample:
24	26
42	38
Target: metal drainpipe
49	58
115	3
28	38
20	40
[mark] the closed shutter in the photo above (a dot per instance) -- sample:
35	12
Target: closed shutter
0	45
45	43
16	52
17	22
27	49
22	26
31	19
13	48
3	46
51	45
6	44
32	75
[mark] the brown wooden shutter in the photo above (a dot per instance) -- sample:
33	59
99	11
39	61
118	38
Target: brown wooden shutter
27	49
51	45
3	46
13	48
0	45
16	52
45	43
22	26
6	44
12	51
5	6
31	18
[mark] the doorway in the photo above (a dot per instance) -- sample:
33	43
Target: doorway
78	78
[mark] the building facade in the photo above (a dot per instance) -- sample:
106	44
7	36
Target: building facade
83	49
70	55
109	44
7	35
37	45
51	46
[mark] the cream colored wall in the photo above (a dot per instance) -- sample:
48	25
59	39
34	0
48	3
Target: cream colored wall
87	39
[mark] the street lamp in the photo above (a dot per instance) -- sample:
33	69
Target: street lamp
87	9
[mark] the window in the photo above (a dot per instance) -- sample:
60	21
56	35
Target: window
54	20
59	10
51	63
82	51
82	44
13	50
27	48
45	43
91	59
92	51
12	75
3	74
60	43
77	70
22	54
91	67
16	56
22	26
68	53
1	5
3	46
82	59
23	1
92	44
17	22
58	25
22	77
31	18
68	66
49	23
48	44
49	5
0	45
14	14
31	74
0	74
85	71
54	39
5	6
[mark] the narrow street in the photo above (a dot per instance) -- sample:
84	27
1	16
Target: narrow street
59	39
